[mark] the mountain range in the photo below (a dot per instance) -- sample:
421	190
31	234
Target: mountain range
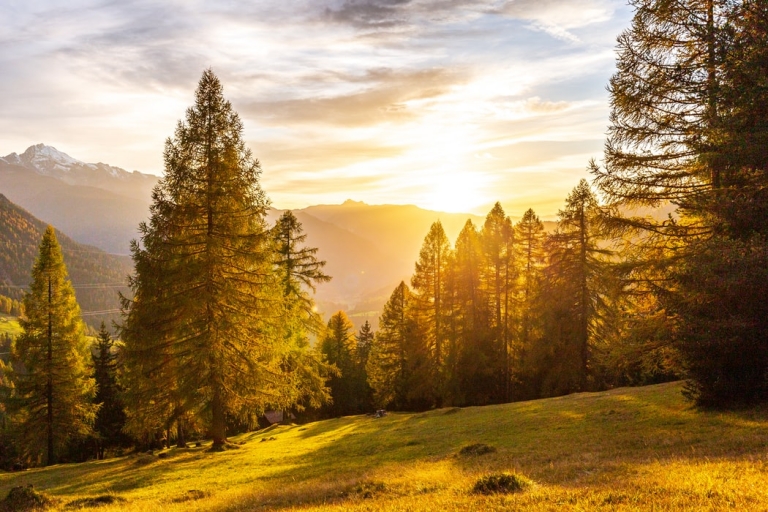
369	249
95	204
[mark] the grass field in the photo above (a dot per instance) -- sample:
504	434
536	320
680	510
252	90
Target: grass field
9	325
626	449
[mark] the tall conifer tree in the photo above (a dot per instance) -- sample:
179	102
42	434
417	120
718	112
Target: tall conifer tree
203	316
498	273
53	391
399	363
110	418
428	282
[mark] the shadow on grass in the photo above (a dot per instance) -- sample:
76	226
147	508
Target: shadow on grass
557	442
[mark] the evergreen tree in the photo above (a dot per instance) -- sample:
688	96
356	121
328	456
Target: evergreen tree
688	127
399	363
201	333
364	344
498	274
110	418
477	354
530	237
428	282
339	348
720	285
53	391
298	271
574	295
297	265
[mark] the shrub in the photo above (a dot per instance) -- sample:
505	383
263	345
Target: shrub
21	499
501	483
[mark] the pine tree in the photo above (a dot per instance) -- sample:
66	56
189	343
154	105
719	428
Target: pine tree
477	356
428	282
688	127
719	287
298	271
529	236
365	339
201	333
574	292
665	114
297	265
339	348
399	363
498	273
110	418
53	391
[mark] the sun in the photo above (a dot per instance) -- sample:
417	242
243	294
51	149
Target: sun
455	192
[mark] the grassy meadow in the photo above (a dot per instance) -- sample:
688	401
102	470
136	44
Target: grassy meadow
9	325
625	449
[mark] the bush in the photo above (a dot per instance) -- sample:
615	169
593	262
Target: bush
21	499
501	483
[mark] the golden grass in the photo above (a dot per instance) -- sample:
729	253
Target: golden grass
9	325
626	449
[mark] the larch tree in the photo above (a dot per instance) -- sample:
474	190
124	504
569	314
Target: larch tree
53	393
428	282
529	237
498	274
201	332
719	288
574	292
299	271
688	117
476	376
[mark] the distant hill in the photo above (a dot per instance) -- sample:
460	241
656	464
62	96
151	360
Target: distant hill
96	204
96	275
369	248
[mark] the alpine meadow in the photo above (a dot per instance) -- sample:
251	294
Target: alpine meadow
197	348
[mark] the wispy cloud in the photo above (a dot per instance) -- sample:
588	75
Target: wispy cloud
443	103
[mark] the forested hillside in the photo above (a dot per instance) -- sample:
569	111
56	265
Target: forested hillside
96	275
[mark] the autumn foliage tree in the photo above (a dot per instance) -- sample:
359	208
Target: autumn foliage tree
201	333
52	401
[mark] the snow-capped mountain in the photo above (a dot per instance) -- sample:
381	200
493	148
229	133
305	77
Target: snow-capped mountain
49	161
96	204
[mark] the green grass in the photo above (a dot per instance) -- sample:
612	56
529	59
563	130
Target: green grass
626	449
9	325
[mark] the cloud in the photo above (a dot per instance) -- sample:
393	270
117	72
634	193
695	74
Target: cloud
375	14
383	98
559	17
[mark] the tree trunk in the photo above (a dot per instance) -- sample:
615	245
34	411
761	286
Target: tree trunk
50	456
181	441
218	423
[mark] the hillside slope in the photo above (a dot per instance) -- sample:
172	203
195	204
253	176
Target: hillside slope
90	215
625	449
96	275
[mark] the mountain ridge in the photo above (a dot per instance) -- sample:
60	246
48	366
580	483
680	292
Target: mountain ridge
96	275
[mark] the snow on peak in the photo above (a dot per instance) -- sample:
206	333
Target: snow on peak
49	161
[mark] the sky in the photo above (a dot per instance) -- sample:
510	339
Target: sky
447	104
